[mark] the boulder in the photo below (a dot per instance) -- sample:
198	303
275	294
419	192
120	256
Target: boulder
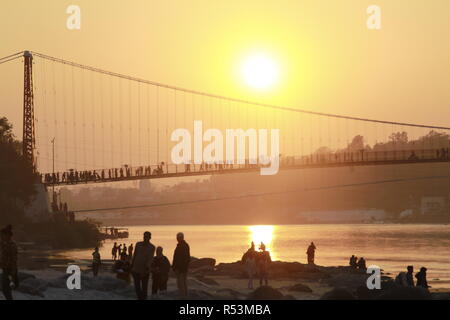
22	277
100	283
207	281
203	262
106	283
33	286
348	280
199	295
363	293
405	293
205	270
61	281
338	294
277	269
234	269
229	294
266	293
299	287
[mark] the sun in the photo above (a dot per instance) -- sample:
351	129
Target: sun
262	234
260	72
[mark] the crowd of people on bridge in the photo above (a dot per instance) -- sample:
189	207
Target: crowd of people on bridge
443	153
124	173
127	172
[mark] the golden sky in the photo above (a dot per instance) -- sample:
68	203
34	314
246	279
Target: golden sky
329	60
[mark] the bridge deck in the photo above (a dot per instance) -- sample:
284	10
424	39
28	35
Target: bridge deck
172	171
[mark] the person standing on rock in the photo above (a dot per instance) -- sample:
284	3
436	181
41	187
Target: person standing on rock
421	277
130	251
8	262
263	263
362	264
249	260
353	261
141	264
311	253
96	261
114	250
405	279
409	276
250	266
180	264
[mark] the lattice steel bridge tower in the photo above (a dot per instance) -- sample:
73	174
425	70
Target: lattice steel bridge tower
28	142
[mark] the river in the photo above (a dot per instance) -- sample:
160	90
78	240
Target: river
389	246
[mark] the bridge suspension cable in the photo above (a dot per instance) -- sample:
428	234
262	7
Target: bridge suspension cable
195	92
11	57
205	94
112	122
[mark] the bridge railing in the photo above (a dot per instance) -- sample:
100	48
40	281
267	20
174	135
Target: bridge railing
320	159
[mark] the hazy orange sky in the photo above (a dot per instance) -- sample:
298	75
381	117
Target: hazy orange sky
330	61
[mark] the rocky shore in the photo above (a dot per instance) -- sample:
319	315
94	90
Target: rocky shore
46	279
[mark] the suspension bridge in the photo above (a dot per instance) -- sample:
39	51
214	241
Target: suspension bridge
83	124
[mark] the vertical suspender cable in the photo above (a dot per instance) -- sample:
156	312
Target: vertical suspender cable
65	116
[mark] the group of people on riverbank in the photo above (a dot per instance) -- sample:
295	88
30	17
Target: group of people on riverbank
356	263
118	250
141	261
406	279
257	264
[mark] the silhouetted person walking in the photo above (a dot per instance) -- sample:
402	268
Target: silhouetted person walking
96	261
160	272
421	277
180	264
311	253
141	264
8	257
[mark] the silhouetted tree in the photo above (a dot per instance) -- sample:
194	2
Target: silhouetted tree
399	137
16	176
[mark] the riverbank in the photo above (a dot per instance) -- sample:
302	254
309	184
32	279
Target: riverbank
44	278
58	234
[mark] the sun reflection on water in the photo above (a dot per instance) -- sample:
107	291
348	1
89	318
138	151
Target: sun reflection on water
264	234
